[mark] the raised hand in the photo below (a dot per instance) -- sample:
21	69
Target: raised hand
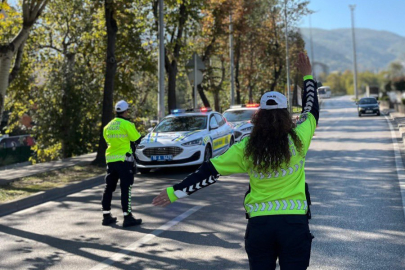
304	65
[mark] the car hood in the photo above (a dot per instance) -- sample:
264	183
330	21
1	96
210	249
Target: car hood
156	138
241	124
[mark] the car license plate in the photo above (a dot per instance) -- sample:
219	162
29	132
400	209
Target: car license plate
161	158
369	111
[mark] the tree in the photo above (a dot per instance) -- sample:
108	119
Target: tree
181	16
31	10
111	68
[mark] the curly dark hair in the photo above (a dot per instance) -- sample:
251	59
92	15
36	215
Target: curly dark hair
268	146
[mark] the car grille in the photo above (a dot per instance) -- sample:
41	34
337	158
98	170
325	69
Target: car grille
160	151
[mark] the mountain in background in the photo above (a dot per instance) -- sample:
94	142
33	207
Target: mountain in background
375	49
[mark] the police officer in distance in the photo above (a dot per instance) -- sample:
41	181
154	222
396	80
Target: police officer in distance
276	203
119	134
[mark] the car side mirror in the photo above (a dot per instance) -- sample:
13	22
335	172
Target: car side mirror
150	129
215	126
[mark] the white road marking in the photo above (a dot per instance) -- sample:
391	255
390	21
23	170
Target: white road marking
398	162
134	246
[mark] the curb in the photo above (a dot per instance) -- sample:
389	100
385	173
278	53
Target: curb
399	125
49	195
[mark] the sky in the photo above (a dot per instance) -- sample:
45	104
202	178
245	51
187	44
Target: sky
386	15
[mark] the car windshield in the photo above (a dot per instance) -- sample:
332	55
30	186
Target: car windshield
182	123
240	115
321	91
368	101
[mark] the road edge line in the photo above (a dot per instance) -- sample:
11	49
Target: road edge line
398	163
134	246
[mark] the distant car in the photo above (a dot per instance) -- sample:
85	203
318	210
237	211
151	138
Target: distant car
184	138
240	117
324	92
368	105
15	149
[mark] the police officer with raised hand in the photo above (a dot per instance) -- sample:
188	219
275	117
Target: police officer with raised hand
119	134
276	202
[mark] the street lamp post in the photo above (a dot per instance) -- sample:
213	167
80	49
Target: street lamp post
287	57
232	60
161	75
312	46
352	7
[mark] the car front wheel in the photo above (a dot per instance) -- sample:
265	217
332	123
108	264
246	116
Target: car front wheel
359	114
207	153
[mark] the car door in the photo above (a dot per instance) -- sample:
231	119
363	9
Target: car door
215	135
223	134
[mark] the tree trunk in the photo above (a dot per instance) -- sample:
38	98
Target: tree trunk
295	92
171	87
277	73
17	64
111	69
237	64
216	100
67	113
6	55
203	96
30	13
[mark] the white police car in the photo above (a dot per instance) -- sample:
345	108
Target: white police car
184	138
240	117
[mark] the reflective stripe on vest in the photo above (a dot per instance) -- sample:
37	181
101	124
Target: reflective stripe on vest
277	205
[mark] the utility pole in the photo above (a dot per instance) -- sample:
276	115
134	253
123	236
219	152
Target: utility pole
195	81
232	60
356	94
287	57
161	76
312	47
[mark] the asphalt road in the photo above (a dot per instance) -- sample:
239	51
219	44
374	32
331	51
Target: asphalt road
358	217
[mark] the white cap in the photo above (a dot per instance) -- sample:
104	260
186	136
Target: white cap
121	106
279	99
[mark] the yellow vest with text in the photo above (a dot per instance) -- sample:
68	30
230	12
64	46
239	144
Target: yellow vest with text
118	134
280	192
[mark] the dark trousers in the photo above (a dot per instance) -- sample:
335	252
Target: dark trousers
124	171
286	237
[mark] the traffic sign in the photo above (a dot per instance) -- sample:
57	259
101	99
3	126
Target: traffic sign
200	63
191	77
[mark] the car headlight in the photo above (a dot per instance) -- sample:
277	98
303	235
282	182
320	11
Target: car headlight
247	129
140	147
193	143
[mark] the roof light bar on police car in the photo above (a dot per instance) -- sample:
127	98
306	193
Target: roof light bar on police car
252	105
204	109
178	111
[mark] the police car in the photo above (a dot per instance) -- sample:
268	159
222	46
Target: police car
240	117
183	138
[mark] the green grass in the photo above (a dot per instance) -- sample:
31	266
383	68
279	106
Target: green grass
26	186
